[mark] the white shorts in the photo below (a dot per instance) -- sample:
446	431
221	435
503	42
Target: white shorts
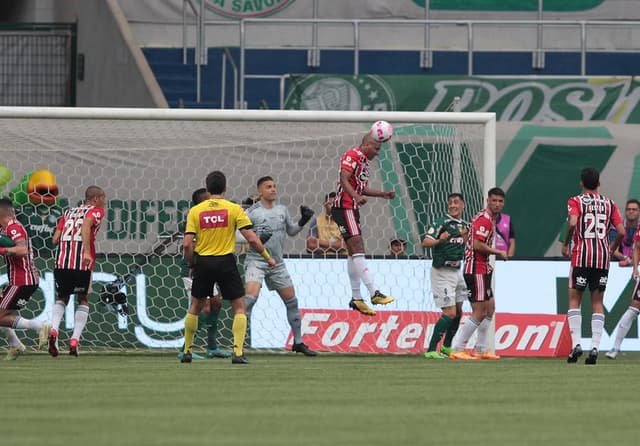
275	279
448	286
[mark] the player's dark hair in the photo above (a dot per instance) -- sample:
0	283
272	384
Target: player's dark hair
5	203
263	179
496	191
199	195
92	192
590	178
634	201
455	195
216	182
329	195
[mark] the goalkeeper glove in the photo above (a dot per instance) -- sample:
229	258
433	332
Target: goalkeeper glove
305	215
6	242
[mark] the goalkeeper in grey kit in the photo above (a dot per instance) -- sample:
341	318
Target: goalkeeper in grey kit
272	223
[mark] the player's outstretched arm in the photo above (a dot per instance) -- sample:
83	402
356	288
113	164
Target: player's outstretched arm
389	194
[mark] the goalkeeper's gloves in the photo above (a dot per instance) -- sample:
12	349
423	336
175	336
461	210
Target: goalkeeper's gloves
305	215
264	233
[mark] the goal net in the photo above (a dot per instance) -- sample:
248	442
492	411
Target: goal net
150	161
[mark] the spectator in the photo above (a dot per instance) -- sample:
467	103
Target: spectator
397	247
324	235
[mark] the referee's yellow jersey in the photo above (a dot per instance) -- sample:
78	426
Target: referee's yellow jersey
214	223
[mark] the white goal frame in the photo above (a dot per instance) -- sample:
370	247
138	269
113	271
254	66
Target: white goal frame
486	120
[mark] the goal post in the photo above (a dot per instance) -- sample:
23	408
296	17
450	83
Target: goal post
149	161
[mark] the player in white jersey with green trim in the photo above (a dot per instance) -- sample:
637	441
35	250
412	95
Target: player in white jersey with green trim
447	237
272	222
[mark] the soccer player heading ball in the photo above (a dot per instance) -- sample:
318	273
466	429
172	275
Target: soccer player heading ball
352	193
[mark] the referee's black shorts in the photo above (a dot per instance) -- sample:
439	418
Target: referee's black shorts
223	270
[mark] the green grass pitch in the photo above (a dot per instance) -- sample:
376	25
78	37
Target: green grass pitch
284	399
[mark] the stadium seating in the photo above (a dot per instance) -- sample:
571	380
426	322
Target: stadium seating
178	81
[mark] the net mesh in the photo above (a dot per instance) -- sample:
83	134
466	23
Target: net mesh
149	170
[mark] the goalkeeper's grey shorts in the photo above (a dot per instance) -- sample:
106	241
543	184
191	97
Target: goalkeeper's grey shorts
275	279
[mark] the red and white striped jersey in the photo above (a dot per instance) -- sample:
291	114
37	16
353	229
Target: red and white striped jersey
357	163
483	228
69	253
596	213
20	270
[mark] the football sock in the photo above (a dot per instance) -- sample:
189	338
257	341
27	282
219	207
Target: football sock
27	324
190	328
212	329
202	320
12	338
625	324
451	331
57	313
468	328
575	325
597	325
360	266
293	316
440	327
354	279
80	320
239	329
249	302
483	329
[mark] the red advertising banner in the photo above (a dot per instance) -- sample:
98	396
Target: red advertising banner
410	332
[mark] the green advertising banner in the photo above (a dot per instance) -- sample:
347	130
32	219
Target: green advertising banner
512	99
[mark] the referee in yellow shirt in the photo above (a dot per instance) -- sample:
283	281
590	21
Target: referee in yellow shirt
212	224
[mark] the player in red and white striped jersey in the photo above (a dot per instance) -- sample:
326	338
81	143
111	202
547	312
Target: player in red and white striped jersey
75	258
352	192
629	316
23	280
590	217
477	275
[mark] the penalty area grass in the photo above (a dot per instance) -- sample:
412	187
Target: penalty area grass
287	399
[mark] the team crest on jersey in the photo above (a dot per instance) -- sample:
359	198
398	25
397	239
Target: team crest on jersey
581	281
603	281
586	200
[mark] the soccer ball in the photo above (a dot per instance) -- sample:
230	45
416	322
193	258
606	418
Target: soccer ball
381	131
